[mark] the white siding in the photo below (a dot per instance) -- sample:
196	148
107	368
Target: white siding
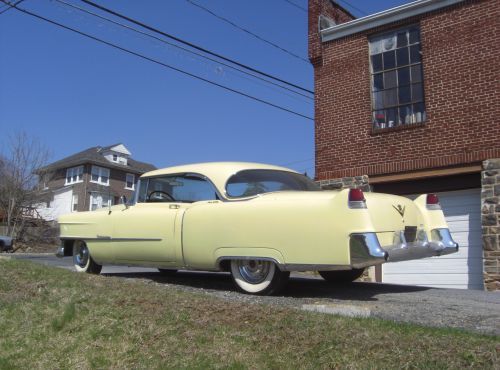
462	270
59	206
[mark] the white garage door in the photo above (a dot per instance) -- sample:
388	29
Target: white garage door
462	270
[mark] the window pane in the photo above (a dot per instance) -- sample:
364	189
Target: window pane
390	97
95	177
375	45
377	63
414	35
378	100
417	92
404	76
391	117
402	39
415	54
389	59
405	114
378	82
389	42
402	57
379	119
419	112
404	95
390	80
416	73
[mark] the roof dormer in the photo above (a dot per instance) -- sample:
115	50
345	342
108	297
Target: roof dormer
116	154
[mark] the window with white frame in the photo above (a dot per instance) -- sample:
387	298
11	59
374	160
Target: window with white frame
115	157
74	175
396	78
130	181
100	175
98	200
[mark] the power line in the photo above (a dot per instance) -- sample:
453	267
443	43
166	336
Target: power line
296	5
245	30
158	62
178	47
150	28
9	6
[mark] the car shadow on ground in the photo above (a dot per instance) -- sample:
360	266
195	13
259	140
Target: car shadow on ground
298	287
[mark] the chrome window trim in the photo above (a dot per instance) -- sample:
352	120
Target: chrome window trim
193	174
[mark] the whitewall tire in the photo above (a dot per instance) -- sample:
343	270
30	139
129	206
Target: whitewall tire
82	260
258	276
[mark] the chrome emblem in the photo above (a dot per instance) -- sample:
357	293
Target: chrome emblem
400	209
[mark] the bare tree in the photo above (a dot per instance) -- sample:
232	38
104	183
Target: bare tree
20	193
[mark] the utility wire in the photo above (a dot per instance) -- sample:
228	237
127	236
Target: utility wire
245	30
178	47
9	6
296	5
157	62
150	28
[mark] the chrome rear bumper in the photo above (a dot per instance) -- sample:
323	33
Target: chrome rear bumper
366	250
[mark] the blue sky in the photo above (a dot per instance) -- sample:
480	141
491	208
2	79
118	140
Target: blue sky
73	93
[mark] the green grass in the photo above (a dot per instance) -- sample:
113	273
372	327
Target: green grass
53	318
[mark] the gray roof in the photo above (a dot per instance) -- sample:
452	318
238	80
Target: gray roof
94	155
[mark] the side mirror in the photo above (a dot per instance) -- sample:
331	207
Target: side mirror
123	200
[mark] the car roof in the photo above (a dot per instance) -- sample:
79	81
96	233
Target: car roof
217	172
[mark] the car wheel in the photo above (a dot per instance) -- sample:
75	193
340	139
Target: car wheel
167	272
82	260
258	276
346	276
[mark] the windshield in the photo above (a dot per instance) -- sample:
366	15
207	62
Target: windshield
248	183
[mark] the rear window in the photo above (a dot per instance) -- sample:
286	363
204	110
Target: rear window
248	183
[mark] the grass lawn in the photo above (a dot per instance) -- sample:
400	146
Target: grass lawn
54	319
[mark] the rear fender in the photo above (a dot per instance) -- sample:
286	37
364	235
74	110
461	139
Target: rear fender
429	219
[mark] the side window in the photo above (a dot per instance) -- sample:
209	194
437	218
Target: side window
185	188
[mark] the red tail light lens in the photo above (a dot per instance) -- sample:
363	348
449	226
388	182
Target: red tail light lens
432	199
433	202
356	199
356	195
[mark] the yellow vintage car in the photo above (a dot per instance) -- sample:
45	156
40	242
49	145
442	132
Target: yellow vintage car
257	221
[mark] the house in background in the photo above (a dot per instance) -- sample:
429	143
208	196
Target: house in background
406	102
91	179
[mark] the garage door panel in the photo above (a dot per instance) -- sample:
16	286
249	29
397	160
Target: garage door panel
444	266
463	270
451	280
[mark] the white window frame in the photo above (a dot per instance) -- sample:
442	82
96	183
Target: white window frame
74	172
101	172
133	181
74	203
100	201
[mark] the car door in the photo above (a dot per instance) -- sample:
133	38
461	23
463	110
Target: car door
151	230
145	233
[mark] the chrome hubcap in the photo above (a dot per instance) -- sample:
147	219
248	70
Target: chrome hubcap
81	255
254	271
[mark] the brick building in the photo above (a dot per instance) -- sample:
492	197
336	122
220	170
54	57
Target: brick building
91	179
406	101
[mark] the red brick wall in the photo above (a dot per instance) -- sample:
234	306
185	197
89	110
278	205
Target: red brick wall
328	9
461	54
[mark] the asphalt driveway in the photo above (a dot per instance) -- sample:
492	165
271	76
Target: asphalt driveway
463	309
